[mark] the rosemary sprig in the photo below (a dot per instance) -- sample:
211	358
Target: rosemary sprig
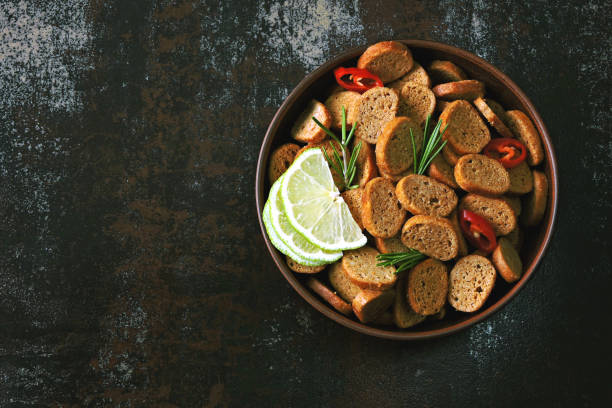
342	165
430	146
401	260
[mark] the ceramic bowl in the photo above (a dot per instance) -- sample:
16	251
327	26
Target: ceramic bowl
499	87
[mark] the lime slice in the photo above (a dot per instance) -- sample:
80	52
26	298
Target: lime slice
290	237
314	207
279	244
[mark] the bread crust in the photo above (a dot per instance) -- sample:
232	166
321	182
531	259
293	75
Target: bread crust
496	211
477	173
353	198
445	71
420	194
341	283
491	117
462	243
468	89
403	315
535	204
521	179
305	129
466	132
523	130
470	285
430	235
376	107
390	245
360	265
366	163
451	156
350	101
389	60
417	75
440	170
507	261
280	160
370	304
382	213
297	268
330	297
428	287
416	101
394	178
394	153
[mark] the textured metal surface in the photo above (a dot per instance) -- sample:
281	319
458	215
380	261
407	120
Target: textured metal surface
132	271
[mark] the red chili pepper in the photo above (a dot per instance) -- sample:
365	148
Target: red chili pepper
356	79
509	152
478	231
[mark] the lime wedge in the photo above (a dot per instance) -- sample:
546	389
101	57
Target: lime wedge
290	237
279	244
314	207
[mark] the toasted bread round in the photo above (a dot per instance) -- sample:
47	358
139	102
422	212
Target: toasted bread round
389	60
403	315
498	212
390	245
440	170
445	71
507	261
353	198
466	132
491	117
468	89
477	173
330	297
417	75
360	267
462	243
296	267
516	238
514	203
305	129
428	287
471	282
440	315
376	107
535	203
341	282
394	178
382	214
368	305
451	156
523	129
497	109
394	152
366	163
521	179
416	101
432	236
423	195
280	160
334	104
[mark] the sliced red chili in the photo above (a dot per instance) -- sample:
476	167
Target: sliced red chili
477	230
509	152
356	79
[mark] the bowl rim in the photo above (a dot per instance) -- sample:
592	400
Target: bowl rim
318	304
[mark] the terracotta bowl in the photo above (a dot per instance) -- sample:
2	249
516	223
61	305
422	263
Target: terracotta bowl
499	87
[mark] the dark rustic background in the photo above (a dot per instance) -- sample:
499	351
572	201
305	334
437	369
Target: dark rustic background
132	268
